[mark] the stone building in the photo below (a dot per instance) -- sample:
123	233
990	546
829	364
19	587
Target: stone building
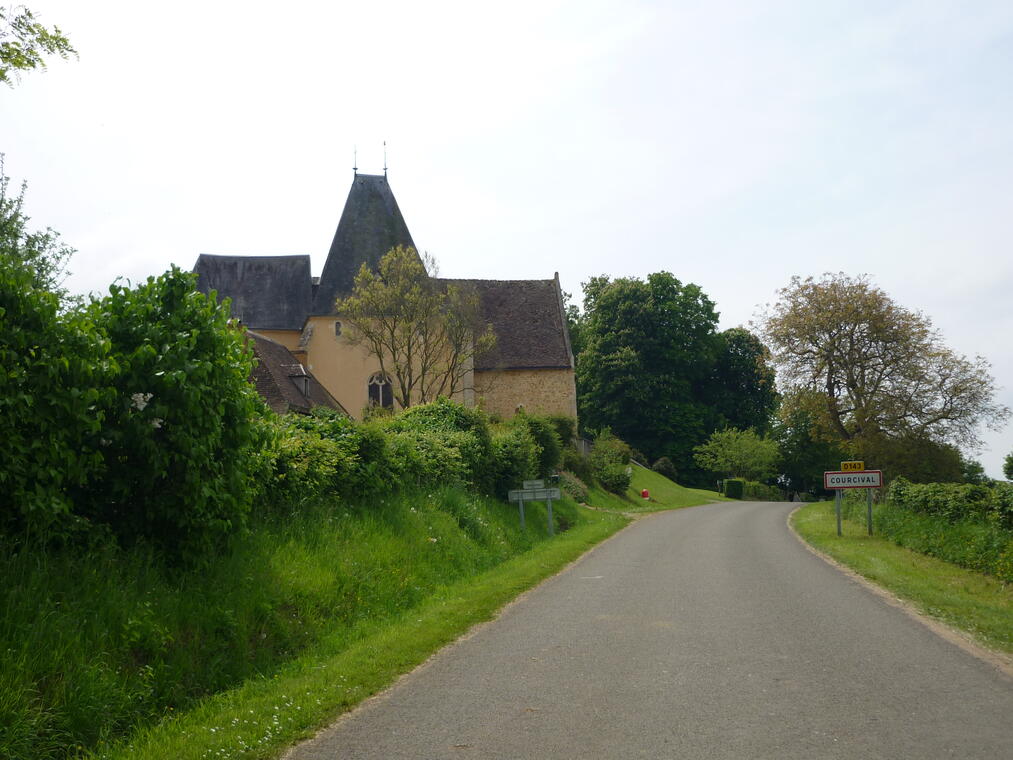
530	366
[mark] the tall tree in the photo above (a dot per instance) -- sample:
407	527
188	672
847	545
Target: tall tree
742	393
424	333
24	43
872	370
649	348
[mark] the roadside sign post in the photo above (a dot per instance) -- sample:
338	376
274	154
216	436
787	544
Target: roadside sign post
849	477
534	490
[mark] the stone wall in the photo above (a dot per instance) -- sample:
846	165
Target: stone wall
539	391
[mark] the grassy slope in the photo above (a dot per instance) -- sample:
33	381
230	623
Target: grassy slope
262	716
664	494
978	604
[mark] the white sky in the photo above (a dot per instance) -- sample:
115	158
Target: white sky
732	143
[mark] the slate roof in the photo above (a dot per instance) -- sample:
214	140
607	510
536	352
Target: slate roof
527	317
283	382
267	292
370	225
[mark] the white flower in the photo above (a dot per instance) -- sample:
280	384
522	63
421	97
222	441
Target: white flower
433	540
156	423
140	400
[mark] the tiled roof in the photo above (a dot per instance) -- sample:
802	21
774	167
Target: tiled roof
370	225
267	292
283	382
527	317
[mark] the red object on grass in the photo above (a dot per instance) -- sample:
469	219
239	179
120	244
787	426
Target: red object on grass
644	494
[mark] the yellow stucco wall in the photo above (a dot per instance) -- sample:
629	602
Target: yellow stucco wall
540	391
341	367
288	338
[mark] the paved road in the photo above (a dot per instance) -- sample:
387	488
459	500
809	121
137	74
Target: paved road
702	633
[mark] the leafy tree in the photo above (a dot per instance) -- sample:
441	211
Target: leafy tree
40	252
872	370
742	393
649	350
424	333
804	454
1007	467
973	472
738	454
24	42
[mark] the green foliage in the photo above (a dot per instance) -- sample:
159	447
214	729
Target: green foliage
577	463
761	492
653	368
514	458
664	466
955	501
24	42
742	393
444	416
177	438
40	252
1007	467
565	426
804	454
550	449
738	453
649	349
610	462
573	487
734	488
873	370
966	524
52	388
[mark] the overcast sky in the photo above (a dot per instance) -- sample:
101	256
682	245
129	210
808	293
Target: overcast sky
733	143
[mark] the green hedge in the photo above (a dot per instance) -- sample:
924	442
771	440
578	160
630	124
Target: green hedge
968	525
955	501
734	488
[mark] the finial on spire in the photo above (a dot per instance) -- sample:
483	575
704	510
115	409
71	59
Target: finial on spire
384	158
355	160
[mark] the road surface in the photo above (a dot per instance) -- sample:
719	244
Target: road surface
701	633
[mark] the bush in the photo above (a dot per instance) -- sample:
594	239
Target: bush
664	466
566	428
51	388
177	439
550	450
734	488
761	492
955	501
615	477
514	458
609	462
577	463
445	416
573	487
431	458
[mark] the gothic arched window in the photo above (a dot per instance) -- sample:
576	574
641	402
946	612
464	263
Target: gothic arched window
380	391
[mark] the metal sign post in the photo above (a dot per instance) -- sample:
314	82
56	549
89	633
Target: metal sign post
848	477
537	493
837	509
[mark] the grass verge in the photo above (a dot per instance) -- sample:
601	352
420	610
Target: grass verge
978	604
263	716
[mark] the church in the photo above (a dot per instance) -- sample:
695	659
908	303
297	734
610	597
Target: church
300	337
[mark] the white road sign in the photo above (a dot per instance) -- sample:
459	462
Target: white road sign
860	479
